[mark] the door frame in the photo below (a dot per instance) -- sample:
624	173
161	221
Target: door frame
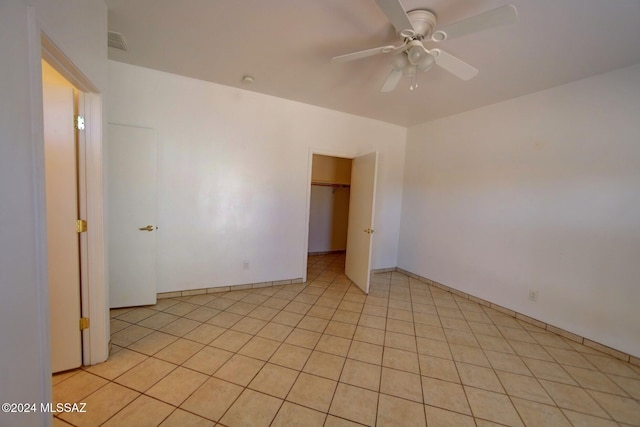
95	339
323	152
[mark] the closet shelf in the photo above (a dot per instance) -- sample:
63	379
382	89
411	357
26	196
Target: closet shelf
330	184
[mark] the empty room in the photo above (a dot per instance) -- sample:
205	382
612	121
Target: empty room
320	213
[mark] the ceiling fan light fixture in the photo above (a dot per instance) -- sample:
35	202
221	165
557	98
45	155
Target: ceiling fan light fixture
415	55
400	62
416	52
426	62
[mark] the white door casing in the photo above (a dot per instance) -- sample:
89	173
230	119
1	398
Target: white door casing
361	216
62	238
132	205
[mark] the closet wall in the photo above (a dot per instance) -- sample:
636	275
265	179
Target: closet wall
329	207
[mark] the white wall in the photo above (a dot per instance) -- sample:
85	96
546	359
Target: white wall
77	28
540	192
234	174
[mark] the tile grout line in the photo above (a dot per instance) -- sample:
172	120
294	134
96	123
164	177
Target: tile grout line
618	354
390	295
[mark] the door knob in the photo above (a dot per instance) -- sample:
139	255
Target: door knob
147	228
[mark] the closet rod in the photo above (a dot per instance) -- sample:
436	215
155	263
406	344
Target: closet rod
328	184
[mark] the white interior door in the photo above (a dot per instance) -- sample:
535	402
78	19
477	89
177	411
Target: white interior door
132	205
361	207
62	239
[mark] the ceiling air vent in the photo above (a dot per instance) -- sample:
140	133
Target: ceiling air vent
116	40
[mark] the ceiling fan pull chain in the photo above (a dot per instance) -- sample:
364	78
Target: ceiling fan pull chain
414	79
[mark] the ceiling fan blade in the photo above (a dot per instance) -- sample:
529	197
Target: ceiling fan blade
369	52
396	14
500	16
365	53
392	80
455	66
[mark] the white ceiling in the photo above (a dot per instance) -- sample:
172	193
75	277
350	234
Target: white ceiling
287	45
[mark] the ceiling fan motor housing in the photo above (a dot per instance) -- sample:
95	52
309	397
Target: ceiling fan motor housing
423	22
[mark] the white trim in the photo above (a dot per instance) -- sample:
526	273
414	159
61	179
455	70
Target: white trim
63	65
84	237
40	225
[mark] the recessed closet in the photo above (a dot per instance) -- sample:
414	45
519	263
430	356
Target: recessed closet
329	206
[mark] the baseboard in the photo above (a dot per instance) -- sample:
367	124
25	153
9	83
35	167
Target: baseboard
384	270
539	323
218	289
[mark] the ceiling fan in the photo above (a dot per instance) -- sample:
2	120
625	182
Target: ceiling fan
415	28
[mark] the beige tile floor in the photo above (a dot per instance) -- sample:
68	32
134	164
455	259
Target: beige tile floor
323	353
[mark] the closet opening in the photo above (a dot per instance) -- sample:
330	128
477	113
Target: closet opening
329	212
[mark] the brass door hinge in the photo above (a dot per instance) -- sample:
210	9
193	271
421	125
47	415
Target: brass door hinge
84	323
78	122
81	226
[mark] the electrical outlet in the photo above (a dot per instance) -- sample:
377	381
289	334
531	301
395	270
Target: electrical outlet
533	295
245	265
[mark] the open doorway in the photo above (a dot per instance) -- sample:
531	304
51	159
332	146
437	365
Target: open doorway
359	175
329	205
92	321
60	107
328	217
